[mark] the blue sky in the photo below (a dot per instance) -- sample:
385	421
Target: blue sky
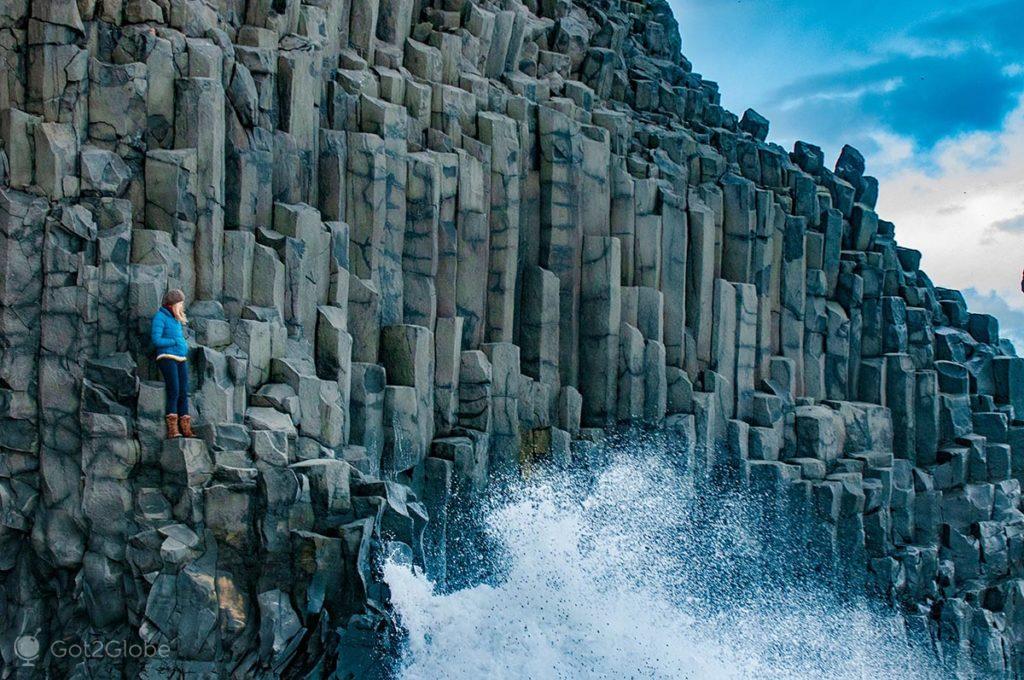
932	93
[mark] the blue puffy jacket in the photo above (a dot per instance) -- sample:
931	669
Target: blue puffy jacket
167	334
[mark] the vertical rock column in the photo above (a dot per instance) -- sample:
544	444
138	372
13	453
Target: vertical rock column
837	353
740	228
172	206
475	385
630	386
366	411
528	253
499	132
366	183
595	182
250	162
21	247
674	247
900	389
388	121
648	245
539	333
623	215
363	28
600	318
746	349
420	250
199	125
448	358
332	174
307	265
926	416
473	239
505	435
447	236
299	86
66	336
561	232
765	277
816	319
793	292
114	239
723	347
408	356
333	358
700	265
109	456
848	340
1009	383
22	219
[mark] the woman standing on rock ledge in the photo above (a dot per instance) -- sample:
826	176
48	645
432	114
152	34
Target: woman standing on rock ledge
168	335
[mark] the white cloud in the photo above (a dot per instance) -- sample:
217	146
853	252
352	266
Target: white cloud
884	86
949	205
893	150
913	46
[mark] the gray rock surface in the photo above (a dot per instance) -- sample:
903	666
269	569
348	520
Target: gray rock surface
426	244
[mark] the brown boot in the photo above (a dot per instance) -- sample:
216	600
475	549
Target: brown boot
185	423
172	426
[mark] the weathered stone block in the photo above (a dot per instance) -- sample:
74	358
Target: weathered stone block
570	407
1009	383
364	319
447	353
740	221
505	389
475	391
367	409
118	102
404	445
103	172
407	353
820	433
539	334
17	131
900	388
268	279
56	160
655	382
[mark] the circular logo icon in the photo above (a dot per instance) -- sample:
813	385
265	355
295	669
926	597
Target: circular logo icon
26	647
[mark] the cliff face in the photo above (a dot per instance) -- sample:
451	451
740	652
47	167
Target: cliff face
428	243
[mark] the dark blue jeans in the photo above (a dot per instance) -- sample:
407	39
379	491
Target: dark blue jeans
175	386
